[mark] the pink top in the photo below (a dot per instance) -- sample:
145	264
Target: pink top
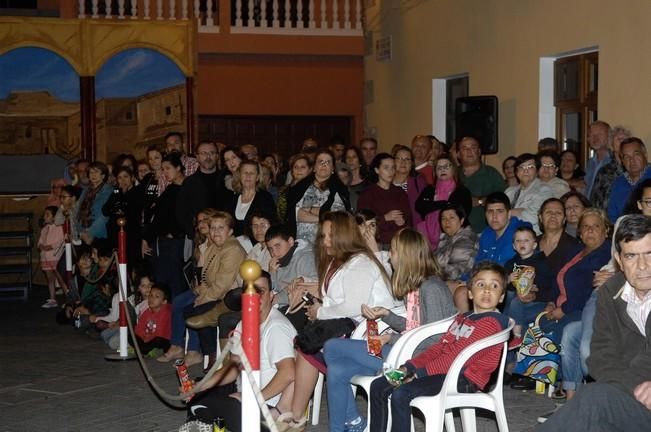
51	235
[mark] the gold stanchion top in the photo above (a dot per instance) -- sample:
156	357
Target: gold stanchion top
250	272
122	222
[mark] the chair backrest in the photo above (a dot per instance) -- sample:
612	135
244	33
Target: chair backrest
452	377
404	348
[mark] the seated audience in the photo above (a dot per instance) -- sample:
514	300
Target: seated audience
636	169
408	179
249	196
349	276
610	171
154	325
571	171
300	166
426	372
417	282
358	174
508	169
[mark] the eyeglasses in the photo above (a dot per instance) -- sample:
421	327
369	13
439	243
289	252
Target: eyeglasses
443	167
645	202
527	167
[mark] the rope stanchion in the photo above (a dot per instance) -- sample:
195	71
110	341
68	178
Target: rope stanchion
68	252
123	353
250	271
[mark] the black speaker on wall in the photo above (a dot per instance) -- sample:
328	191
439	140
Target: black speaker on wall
476	116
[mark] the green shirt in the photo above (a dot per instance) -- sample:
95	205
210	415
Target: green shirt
483	182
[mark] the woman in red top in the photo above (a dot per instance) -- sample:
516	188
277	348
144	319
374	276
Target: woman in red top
389	202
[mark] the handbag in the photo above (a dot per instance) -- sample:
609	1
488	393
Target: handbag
314	335
538	356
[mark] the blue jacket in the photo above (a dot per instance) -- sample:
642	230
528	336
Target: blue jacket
621	192
578	278
498	250
97	228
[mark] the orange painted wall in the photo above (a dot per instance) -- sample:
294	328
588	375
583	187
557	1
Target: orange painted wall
278	85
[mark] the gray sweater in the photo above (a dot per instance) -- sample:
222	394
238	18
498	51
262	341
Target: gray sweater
435	304
302	264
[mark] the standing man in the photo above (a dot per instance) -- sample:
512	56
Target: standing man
207	181
337	147
368	146
620	353
480	179
636	169
174	143
421	147
609	172
598	139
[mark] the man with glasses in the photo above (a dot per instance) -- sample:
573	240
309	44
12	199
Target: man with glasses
527	197
636	169
206	183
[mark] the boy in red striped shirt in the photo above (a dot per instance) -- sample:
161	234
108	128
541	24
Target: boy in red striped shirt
426	372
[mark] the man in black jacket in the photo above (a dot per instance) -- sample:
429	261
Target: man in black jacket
620	352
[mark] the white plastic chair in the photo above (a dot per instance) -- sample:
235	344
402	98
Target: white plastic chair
436	408
358	333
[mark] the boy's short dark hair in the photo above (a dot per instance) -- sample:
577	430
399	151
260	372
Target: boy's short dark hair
162	288
490	266
498	198
525	228
280	230
52	209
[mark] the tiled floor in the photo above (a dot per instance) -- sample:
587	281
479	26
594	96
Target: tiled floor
54	379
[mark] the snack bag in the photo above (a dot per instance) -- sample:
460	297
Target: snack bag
373	344
525	276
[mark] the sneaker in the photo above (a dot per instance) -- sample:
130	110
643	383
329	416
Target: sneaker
49	304
523	383
154	353
358	427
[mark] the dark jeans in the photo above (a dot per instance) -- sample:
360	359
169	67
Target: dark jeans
401	397
167	264
599	407
207	335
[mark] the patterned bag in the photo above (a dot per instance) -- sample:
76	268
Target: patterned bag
538	357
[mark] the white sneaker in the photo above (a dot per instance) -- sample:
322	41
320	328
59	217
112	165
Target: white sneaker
543	418
49	304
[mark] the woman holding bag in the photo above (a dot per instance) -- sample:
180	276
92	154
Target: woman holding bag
349	276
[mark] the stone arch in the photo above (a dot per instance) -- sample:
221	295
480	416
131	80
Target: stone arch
49	47
106	56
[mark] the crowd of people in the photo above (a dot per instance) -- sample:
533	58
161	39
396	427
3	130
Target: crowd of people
349	234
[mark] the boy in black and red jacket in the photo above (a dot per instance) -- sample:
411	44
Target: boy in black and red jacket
426	373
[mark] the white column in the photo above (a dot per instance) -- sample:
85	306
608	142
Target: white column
159	9
120	9
311	24
108	4
288	22
299	14
82	9
95	9
184	10
347	14
238	13
324	23
335	14
210	22
250	21
134	9
147	9
358	14
197	12
172	11
263	13
275	23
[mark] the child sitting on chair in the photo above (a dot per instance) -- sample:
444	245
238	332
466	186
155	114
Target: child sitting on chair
154	327
424	374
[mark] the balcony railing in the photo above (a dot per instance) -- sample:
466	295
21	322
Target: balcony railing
288	17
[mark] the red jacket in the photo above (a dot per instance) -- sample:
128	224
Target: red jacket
465	329
155	324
